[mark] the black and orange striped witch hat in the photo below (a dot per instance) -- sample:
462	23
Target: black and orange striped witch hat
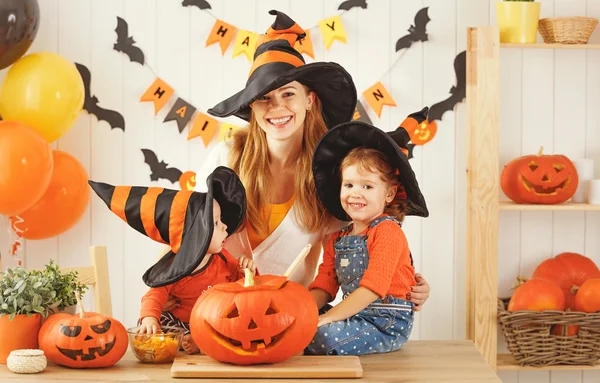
277	63
182	219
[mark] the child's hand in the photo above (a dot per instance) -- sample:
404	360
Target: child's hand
149	325
323	320
247	263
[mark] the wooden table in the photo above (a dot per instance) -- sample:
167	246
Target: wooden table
418	361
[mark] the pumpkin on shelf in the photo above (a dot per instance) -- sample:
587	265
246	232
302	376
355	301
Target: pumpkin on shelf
84	340
262	319
588	296
537	295
569	271
539	179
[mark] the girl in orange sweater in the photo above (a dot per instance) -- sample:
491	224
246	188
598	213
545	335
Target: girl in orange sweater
363	176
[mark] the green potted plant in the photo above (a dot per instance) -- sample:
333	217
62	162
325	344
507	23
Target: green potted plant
25	298
65	284
518	20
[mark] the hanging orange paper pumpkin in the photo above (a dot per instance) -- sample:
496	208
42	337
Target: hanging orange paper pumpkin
187	180
85	340
420	130
265	319
539	179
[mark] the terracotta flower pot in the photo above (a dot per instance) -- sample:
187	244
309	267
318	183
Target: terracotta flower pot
518	21
19	333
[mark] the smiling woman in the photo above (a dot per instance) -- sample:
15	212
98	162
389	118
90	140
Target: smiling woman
289	106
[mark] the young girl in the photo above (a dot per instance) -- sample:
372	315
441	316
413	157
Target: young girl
363	176
195	225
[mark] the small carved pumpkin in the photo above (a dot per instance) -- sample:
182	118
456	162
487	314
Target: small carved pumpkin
263	319
539	179
85	340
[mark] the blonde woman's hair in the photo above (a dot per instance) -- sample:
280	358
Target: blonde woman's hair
250	160
371	160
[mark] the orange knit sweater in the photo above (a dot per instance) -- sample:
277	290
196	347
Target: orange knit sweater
188	289
389	271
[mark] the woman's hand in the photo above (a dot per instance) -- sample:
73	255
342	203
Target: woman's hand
172	303
419	293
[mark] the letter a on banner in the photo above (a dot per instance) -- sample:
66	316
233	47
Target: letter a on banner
181	112
223	33
332	29
245	42
160	92
204	126
377	96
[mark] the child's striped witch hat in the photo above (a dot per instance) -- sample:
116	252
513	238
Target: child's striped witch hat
182	219
276	63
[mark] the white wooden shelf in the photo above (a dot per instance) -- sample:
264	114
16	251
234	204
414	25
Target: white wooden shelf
507	363
566	206
550	46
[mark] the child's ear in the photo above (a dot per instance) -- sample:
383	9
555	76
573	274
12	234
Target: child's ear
391	194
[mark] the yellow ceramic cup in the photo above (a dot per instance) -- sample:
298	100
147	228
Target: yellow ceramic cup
518	21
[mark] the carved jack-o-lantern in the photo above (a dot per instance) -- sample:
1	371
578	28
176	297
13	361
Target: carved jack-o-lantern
86	340
420	130
187	180
265	319
539	179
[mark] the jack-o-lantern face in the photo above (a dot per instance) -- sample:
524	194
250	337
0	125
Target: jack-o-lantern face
418	127
88	342
187	180
541	179
267	322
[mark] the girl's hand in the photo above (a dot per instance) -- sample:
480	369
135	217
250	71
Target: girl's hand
172	303
149	325
247	263
323	320
419	293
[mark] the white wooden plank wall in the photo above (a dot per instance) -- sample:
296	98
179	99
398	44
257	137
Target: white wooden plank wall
548	98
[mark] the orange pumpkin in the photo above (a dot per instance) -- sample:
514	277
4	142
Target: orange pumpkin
564	330
539	179
569	271
187	180
86	340
418	127
537	295
588	296
265	319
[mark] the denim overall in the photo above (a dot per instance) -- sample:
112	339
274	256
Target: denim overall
383	326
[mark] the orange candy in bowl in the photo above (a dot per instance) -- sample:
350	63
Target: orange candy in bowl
156	348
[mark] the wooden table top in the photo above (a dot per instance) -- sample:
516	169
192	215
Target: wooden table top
452	361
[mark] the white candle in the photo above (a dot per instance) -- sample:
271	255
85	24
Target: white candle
594	192
585	168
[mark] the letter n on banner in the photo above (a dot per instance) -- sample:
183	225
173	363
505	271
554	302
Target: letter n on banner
160	92
377	96
204	126
226	131
181	112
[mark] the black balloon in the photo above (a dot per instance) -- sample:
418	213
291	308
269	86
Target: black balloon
19	22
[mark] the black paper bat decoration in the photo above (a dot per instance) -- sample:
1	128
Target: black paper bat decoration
202	4
125	42
457	92
349	4
416	32
160	169
114	118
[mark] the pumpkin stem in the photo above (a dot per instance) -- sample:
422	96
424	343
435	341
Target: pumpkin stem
80	304
248	278
574	289
539	154
520	280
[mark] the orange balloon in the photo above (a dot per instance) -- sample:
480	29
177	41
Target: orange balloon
25	167
63	204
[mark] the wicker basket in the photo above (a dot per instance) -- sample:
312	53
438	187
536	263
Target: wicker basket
567	30
528	337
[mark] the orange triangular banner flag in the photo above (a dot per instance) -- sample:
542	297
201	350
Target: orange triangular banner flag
204	126
377	96
305	45
160	92
223	33
226	131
